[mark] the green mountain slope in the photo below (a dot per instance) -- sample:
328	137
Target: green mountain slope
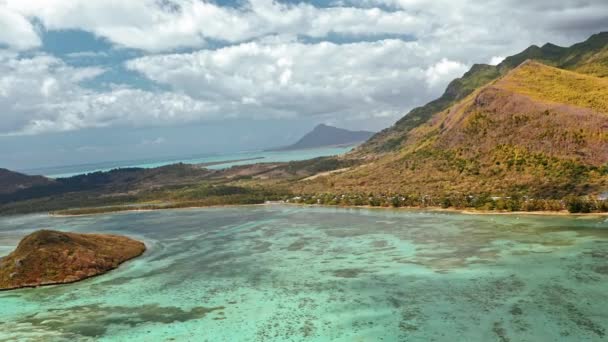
538	131
589	57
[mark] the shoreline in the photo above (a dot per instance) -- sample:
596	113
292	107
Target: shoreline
464	211
220	162
53	214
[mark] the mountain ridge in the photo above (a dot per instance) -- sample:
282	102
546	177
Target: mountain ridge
589	57
531	136
11	181
324	135
538	131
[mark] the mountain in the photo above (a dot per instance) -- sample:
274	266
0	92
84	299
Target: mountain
11	181
50	257
102	188
536	129
170	186
531	132
589	57
324	135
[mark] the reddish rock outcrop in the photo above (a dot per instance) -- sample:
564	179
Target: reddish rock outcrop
50	257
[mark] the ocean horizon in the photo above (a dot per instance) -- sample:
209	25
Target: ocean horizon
218	161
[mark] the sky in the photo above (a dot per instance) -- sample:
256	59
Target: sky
96	80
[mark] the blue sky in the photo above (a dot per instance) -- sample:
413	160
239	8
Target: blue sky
96	80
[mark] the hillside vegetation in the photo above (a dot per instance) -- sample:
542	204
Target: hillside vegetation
589	57
172	186
11	181
538	132
528	134
559	86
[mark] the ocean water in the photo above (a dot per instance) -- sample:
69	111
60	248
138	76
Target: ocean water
253	157
288	273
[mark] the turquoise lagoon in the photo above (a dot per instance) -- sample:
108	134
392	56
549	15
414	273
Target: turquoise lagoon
289	273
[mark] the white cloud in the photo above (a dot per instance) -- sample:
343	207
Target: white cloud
444	71
16	32
297	79
265	70
474	31
164	25
252	80
496	60
43	94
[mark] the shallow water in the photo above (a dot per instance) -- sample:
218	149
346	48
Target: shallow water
269	273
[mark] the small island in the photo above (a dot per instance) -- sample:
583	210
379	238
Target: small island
48	257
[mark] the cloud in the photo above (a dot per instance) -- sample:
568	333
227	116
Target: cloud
17	32
164	25
43	94
263	58
342	82
444	71
297	79
474	31
495	60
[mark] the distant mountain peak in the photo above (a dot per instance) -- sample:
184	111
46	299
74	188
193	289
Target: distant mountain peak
324	135
550	45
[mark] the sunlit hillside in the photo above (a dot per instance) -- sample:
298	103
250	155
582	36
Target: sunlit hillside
589	57
538	131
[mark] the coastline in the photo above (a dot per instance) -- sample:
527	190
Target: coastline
536	213
461	211
58	214
464	211
227	161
